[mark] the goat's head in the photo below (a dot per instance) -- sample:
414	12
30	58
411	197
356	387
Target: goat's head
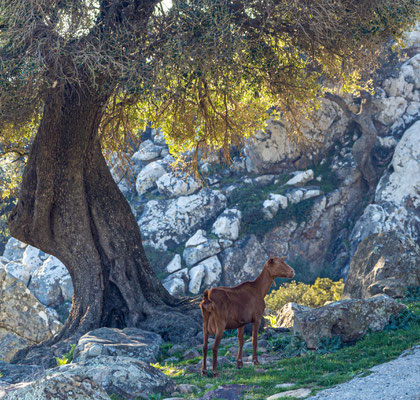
279	269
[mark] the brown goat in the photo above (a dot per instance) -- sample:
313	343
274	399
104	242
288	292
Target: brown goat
234	307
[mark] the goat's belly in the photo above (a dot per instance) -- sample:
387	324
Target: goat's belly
235	324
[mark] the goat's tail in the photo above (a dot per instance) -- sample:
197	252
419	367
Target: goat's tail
206	304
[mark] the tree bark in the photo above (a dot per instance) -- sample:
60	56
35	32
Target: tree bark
363	146
69	206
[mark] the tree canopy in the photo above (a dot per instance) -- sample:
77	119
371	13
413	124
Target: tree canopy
205	71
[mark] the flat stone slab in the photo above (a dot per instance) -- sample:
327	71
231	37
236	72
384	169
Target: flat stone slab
129	342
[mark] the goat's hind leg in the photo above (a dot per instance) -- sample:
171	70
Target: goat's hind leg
239	363
218	337
205	342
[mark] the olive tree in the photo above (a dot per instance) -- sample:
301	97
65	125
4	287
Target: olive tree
77	75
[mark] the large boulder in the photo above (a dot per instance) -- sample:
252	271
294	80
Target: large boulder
199	247
147	151
228	224
212	271
243	261
167	223
56	386
383	263
397	197
173	185
196	274
129	342
32	258
23	319
51	283
349	319
124	376
175	286
19	271
148	176
273	149
14	249
96	379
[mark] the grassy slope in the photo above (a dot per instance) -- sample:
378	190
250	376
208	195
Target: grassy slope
313	370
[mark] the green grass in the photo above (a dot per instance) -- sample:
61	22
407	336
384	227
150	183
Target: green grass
332	364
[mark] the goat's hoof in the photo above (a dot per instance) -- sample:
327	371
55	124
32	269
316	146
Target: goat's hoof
239	364
204	372
215	374
256	362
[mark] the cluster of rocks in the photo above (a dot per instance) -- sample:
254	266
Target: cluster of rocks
106	361
348	319
24	321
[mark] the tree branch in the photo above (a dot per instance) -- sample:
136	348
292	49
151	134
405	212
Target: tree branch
341	103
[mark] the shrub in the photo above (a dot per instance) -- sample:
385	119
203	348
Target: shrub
67	357
316	295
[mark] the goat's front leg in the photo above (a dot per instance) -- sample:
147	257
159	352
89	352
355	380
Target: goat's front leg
239	363
255	328
217	339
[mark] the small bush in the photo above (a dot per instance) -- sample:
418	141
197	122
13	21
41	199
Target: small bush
316	295
67	358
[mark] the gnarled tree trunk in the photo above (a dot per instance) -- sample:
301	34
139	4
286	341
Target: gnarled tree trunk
70	206
363	146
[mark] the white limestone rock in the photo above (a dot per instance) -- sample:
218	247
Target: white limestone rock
228	224
14	249
212	271
175	286
273	149
19	271
196	249
24	320
301	177
32	258
168	223
174	265
147	151
196	278
272	205
392	108
148	176
407	80
404	182
51	282
243	261
158	138
199	237
296	196
172	185
181	274
397	196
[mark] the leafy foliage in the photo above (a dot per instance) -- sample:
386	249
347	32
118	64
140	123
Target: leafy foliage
402	321
316	295
329	345
412	294
206	71
67	358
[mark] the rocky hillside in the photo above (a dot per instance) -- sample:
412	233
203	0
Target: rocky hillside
310	205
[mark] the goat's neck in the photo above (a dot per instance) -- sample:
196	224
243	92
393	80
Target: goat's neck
263	282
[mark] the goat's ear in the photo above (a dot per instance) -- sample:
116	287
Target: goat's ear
270	260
